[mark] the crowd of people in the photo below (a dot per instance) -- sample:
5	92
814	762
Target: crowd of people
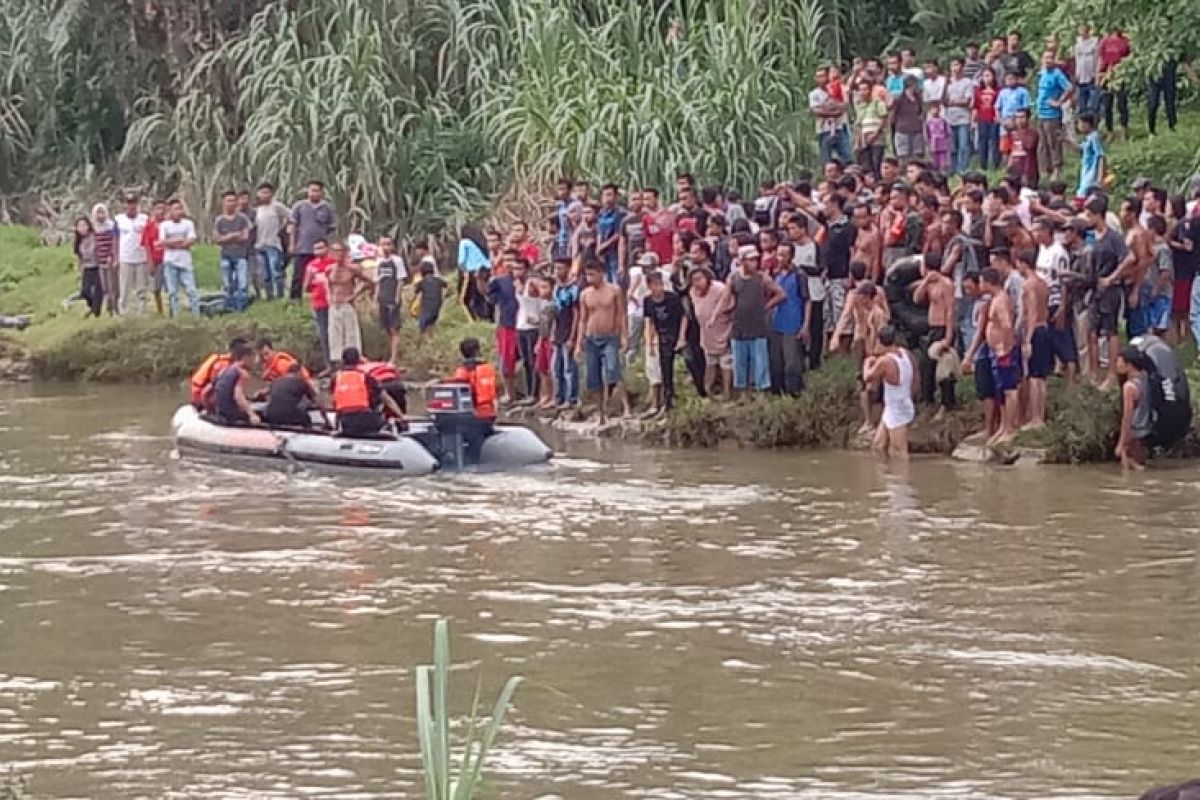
127	259
920	282
993	107
900	250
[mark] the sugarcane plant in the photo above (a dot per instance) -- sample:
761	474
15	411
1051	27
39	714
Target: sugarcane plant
433	726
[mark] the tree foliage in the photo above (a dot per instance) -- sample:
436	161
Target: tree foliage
419	113
1160	31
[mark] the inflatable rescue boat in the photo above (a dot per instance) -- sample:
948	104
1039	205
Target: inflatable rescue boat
427	445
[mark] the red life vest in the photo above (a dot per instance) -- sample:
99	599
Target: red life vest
382	371
204	376
350	392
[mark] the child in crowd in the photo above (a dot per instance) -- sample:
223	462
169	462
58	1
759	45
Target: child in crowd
428	296
937	138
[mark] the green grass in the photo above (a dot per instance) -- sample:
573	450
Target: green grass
62	343
447	776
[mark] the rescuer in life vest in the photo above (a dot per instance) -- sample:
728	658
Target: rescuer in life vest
389	380
204	379
358	399
481	377
275	364
229	389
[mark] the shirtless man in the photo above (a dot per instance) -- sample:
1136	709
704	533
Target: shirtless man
891	368
347	282
866	308
855	315
1131	274
934	240
937	290
602	332
978	357
1038	344
1001	341
868	244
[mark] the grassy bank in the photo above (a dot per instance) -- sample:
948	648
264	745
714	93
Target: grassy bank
63	344
1082	422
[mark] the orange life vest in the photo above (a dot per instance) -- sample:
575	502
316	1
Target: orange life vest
482	380
350	392
382	371
205	375
279	364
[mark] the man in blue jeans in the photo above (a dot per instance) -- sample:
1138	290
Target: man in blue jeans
232	232
562	335
270	231
751	296
960	102
833	127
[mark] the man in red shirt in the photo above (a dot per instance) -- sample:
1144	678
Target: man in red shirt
316	286
155	250
518	239
659	226
1114	48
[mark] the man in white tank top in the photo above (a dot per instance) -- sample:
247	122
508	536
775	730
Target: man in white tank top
892	367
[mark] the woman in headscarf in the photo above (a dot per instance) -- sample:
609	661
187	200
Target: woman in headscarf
471	259
105	232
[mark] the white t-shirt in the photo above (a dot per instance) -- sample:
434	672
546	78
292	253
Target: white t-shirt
1052	262
637	290
934	90
529	311
130	242
184	229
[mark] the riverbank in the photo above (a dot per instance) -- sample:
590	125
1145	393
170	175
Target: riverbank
62	344
1082	422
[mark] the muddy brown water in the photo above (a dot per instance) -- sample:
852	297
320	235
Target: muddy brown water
691	624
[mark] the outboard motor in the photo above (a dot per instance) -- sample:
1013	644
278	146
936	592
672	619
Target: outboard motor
453	413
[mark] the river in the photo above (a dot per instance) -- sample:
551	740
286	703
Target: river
693	624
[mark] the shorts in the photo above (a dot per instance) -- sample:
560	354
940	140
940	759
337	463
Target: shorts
985	388
1158	313
653	368
1066	349
909	144
1041	353
389	316
603	357
160	281
1106	307
1006	373
506	350
427	321
723	360
751	364
1181	299
543	356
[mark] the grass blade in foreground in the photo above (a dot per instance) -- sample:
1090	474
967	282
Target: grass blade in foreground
433	726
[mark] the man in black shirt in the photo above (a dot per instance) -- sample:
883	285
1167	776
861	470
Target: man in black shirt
839	244
289	400
233	407
666	333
